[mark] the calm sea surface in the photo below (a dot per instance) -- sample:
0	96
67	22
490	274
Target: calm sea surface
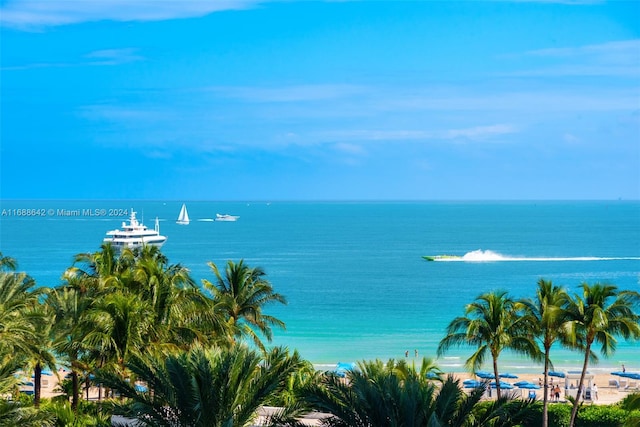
353	273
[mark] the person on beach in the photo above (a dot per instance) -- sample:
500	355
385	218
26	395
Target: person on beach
557	393
623	368
594	390
406	353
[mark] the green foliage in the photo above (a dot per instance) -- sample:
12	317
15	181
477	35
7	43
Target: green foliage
204	387
16	413
493	322
392	394
559	416
631	402
601	416
88	414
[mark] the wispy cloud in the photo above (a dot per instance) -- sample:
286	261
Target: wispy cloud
103	57
618	58
569	2
477	133
113	56
299	93
39	14
116	113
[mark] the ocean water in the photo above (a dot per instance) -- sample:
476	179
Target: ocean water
353	273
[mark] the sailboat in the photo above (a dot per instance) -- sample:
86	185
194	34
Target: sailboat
183	218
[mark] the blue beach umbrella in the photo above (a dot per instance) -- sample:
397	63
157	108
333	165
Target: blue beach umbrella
503	385
485	375
632	375
342	368
529	385
556	374
508	375
472	384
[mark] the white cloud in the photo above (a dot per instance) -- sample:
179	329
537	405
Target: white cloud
569	2
121	114
95	58
623	49
38	14
348	148
571	139
298	93
477	133
617	58
113	56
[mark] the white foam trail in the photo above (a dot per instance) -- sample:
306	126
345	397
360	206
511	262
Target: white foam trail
490	256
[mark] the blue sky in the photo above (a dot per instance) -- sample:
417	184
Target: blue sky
337	100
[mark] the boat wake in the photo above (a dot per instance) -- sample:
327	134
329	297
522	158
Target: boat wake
490	256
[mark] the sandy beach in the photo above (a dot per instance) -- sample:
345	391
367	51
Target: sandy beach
611	388
609	391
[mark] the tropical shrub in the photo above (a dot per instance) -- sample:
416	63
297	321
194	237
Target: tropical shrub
601	416
559	416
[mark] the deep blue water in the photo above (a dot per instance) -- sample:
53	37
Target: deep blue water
353	273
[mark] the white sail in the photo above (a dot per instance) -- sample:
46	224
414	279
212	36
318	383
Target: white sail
183	218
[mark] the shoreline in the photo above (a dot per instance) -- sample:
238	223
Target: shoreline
609	391
610	388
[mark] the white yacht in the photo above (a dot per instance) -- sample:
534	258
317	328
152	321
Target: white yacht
226	217
135	234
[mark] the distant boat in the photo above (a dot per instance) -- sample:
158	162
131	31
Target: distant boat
135	234
183	218
226	217
441	257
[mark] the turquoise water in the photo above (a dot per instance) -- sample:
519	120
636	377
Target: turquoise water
353	273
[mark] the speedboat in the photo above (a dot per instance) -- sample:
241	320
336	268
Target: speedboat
135	234
226	217
441	257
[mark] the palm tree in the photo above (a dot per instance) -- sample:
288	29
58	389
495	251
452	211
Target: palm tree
19	338
41	355
180	308
546	320
241	295
598	316
379	394
492	324
116	327
204	387
7	263
69	306
16	413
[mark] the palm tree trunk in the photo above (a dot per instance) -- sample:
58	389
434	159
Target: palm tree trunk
37	384
75	393
545	397
574	411
497	379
